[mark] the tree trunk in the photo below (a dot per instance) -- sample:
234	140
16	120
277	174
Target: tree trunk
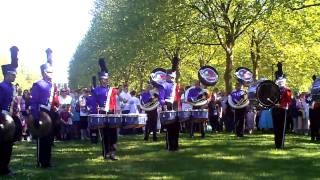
256	64
229	67
253	56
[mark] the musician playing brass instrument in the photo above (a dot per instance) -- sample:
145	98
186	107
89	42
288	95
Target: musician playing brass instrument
42	95
149	103
197	96
238	99
7	126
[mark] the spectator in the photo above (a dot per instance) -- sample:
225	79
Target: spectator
215	113
134	103
124	97
64	98
250	120
66	119
83	113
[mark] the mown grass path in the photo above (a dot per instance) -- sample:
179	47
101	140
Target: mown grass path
218	156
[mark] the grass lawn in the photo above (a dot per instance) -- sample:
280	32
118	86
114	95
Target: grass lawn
218	156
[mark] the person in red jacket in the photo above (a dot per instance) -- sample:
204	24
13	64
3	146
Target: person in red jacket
279	112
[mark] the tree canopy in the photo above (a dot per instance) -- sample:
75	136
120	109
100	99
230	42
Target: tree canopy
136	37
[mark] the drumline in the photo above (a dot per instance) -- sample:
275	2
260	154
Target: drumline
168	117
98	121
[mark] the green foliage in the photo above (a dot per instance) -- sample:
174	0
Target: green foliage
25	78
218	156
137	36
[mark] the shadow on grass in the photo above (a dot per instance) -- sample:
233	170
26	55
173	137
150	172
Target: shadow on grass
218	156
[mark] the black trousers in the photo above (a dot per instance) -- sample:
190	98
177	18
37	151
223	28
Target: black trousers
109	141
214	122
172	135
278	119
5	156
44	147
201	126
151	124
314	115
44	144
239	115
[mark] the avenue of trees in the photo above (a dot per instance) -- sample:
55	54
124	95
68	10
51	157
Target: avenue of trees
136	36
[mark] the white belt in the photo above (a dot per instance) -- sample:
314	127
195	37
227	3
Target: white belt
45	107
5	112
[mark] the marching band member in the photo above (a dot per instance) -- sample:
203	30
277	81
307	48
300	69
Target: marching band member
314	110
149	97
6	97
168	97
105	100
279	112
92	109
238	99
42	95
196	93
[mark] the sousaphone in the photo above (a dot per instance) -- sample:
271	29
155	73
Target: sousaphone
158	76
45	125
239	99
7	128
208	76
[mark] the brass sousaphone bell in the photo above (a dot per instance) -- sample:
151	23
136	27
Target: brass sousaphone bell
7	128
45	125
207	76
157	78
239	99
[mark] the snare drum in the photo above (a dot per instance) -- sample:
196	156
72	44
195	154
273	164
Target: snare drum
184	115
96	121
199	115
114	120
168	117
134	120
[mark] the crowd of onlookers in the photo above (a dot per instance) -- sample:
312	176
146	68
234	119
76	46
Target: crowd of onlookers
72	108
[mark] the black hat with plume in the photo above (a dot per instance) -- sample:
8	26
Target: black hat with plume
11	68
172	72
103	74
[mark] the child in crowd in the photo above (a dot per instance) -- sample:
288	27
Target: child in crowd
66	119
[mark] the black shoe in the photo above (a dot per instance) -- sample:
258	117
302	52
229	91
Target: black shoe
113	158
155	139
146	139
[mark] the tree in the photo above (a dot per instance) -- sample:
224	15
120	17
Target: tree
228	20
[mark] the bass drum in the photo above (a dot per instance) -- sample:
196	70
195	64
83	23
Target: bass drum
7	128
268	94
45	127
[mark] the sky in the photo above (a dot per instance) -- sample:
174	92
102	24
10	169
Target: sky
35	25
